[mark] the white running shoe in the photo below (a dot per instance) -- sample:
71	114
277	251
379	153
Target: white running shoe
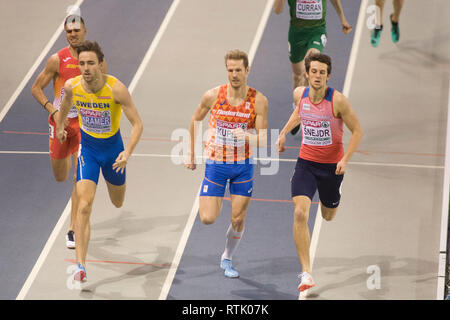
306	282
70	240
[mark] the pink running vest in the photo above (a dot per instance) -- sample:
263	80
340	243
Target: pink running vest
321	130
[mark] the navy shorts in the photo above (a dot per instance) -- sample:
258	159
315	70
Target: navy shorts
100	154
239	175
310	176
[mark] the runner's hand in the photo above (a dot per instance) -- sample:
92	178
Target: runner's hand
239	133
280	143
121	162
341	167
346	28
190	163
61	135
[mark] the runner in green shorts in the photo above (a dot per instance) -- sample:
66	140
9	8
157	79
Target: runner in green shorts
307	33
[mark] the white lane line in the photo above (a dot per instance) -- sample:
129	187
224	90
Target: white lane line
50	241
182	244
346	90
445	212
264	160
153	45
260	31
33	68
313	245
355	48
180	249
66	212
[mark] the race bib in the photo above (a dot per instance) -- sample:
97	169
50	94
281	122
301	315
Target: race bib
51	131
224	135
73	113
95	121
309	9
316	132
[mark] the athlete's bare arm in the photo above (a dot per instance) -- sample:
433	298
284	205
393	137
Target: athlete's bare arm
293	121
346	27
207	102
60	117
261	124
122	96
278	6
343	110
49	73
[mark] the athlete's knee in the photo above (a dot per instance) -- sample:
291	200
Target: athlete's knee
206	218
118	203
328	214
84	207
301	215
238	222
60	176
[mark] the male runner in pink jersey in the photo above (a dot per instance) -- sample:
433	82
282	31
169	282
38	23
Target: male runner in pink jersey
238	121
60	67
322	162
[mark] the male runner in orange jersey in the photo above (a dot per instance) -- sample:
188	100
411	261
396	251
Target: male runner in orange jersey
322	162
60	67
236	112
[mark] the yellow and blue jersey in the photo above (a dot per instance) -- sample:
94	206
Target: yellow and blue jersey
101	142
98	113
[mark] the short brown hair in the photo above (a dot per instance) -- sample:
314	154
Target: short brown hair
237	54
91	46
318	57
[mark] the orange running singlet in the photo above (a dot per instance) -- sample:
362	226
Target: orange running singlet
221	145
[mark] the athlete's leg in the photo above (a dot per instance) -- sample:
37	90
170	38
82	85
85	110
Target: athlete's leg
209	208
301	231
380	5
61	168
398	5
239	206
298	69
85	192
328	214
116	194
74	198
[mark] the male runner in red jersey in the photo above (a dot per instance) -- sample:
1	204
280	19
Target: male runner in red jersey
238	121
60	67
322	162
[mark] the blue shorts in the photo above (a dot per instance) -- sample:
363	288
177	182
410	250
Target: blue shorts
310	176
95	154
240	176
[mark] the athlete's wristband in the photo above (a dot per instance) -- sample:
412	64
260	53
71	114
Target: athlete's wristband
48	101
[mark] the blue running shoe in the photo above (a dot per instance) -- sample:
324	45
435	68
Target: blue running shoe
230	272
80	273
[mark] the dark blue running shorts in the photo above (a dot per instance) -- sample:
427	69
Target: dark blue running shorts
310	176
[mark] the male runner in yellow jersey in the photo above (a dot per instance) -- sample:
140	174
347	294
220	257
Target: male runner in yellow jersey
99	99
60	67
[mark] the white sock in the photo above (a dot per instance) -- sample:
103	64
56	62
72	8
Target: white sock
233	239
